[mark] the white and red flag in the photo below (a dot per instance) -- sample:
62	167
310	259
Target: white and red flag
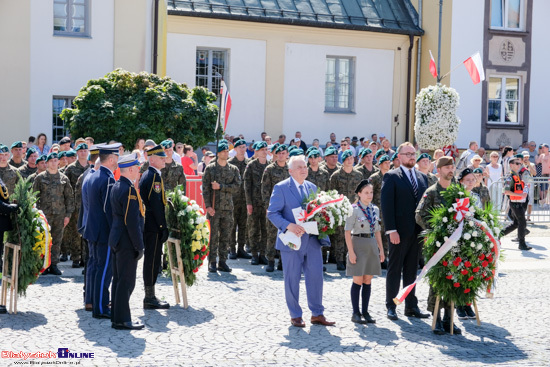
433	68
475	68
225	106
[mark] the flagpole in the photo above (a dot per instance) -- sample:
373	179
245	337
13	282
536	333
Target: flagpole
456	67
439	44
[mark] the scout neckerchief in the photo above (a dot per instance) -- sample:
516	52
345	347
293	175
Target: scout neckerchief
370	217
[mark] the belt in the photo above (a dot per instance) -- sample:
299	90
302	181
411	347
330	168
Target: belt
364	235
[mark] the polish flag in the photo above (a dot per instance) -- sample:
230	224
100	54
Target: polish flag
433	68
225	106
475	68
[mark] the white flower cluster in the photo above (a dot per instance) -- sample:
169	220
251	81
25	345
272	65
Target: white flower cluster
337	212
436	123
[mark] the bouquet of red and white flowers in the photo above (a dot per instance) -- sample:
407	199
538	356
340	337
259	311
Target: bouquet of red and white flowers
329	209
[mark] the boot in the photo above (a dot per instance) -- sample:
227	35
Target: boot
263	260
76	264
270	268
280	265
151	301
241	253
255	260
212	267
340	266
222	266
447	324
232	254
55	270
63	258
439	329
523	246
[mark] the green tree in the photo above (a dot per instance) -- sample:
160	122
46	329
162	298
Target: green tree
125	106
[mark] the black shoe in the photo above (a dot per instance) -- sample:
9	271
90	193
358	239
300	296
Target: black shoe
46	271
270	268
55	270
255	260
447	327
324	269
128	326
523	246
63	258
82	263
471	314
439	329
415	312
232	255
155	304
368	318
3	309
356	317
263	260
280	265
384	264
331	259
527	231
515	239
340	266
461	312
76	264
212	267
105	315
222	266
241	254
392	315
247	248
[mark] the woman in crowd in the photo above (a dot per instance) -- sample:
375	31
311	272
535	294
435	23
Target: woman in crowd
41	144
438	153
507	153
495	169
140	144
207	157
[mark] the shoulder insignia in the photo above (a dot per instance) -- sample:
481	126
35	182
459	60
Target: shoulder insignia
425	195
156	187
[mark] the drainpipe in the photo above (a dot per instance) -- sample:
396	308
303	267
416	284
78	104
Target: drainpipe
155	35
419	53
409	77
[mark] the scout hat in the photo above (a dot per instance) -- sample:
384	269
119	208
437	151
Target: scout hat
29	152
81	146
4	149
362	184
384	158
51	156
240	142
167	144
281	148
157	150
445	161
330	151
260	145
70	153
17	144
424	155
465	172
42	158
313	153
296	152
222	146
348	153
128	160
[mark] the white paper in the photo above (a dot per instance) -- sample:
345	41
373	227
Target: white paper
311	227
291	240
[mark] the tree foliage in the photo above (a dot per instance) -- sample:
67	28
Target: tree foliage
125	106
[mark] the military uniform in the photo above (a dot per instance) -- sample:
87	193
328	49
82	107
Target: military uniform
239	210
17	165
330	170
257	231
172	176
319	178
26	171
144	167
8	174
483	192
432	179
273	174
365	171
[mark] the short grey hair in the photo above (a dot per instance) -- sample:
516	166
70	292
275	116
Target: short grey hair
292	161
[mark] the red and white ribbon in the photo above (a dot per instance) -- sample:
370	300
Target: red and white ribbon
461	207
305	215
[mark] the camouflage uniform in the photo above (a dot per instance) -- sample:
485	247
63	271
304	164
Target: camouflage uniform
330	170
56	200
172	175
26	171
239	209
33	176
432	179
345	183
144	167
8	174
72	242
376	180
366	173
17	165
483	192
256	224
431	199
222	202
319	178
272	176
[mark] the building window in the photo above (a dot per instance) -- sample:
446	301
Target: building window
71	17
212	67
59	130
339	84
504	100
507	14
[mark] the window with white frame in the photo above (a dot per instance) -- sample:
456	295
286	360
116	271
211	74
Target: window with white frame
504	100
507	14
339	84
212	67
71	17
59	130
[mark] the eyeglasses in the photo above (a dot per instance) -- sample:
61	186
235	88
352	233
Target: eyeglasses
408	154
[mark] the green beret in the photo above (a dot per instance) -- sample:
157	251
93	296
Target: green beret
348	153
239	143
4	149
519	156
330	151
394	157
478	170
17	144
52	156
70	153
365	151
224	141
296	152
281	148
81	146
313	153
291	148
384	158
422	156
223	146
42	158
274	146
260	145
29	152
379	152
167	144
61	154
310	149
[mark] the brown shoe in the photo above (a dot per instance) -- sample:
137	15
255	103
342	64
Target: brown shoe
321	320
88	307
298	322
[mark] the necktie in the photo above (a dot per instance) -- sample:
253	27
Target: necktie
413	182
302	191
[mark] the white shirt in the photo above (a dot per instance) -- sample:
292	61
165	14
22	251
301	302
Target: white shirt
156	169
176	157
407	170
298	186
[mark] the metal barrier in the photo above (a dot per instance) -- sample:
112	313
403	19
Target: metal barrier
193	189
538	210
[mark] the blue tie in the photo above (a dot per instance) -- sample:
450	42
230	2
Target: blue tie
413	182
302	191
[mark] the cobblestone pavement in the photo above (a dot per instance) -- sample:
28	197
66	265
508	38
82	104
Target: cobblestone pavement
241	319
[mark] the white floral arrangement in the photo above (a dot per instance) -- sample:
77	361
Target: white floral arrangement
329	209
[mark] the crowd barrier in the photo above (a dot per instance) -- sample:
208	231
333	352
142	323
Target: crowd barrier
193	189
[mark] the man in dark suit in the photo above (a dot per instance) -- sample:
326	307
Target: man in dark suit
401	192
126	241
287	195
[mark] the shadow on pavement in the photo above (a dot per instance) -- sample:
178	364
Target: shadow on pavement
23	320
189	317
49	279
319	340
373	333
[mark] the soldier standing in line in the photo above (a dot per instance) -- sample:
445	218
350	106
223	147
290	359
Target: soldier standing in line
274	173
366	167
255	205
56	200
17	160
423	162
395	162
29	167
345	180
236	245
331	164
432	198
8	173
71	236
62	159
172	173
219	182
316	174
40	167
376	181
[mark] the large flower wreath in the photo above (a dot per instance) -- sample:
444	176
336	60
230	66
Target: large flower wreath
187	223
329	209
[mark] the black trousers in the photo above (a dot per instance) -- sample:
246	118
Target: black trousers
517	214
152	257
1	249
403	259
124	281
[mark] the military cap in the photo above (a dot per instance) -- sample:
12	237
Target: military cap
330	151
310	149
478	170
81	146
65	140
281	148
51	156
157	150
128	160
365	151
30	151
61	154
274	146
313	153
239	143
384	158
362	184
296	152
394	157
94	149
260	145
465	172
223	146
519	156
445	161
291	148
17	144
70	153
42	158
422	156
167	144
110	148
348	153
4	149
379	152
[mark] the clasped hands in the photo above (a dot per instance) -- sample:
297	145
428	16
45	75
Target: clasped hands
296	229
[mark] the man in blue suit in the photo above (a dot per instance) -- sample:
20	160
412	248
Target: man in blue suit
287	195
98	226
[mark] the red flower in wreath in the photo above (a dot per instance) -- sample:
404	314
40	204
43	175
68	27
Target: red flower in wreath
456	285
445	263
467	290
203	248
464	272
471	278
476	269
195	270
196	257
490	258
449	276
203	257
467	264
207	253
481	257
493	249
485	263
457	261
324	229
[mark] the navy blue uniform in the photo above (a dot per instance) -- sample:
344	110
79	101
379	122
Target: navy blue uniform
5	221
126	242
82	219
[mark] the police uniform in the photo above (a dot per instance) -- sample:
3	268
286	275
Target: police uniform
151	189
126	243
236	244
256	223
514	183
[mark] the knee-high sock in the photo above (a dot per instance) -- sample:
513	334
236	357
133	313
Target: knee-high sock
355	289
365	295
